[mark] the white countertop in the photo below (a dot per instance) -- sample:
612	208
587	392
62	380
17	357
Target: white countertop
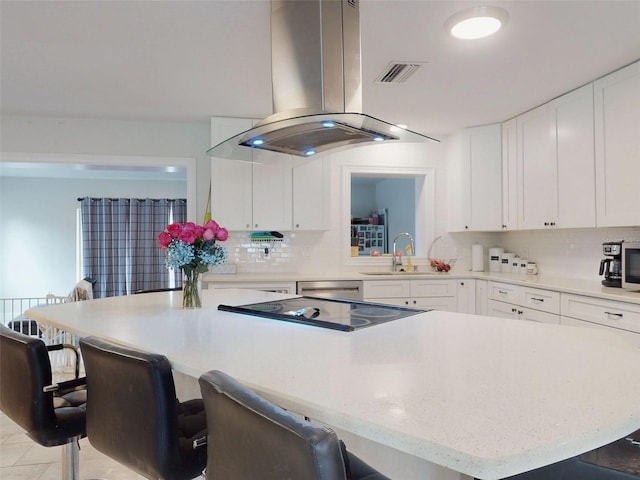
485	396
592	288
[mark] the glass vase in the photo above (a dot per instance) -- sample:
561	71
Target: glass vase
191	290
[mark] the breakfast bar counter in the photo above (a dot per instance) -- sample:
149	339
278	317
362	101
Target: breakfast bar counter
485	396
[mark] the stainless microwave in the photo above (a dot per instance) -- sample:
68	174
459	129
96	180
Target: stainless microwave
631	265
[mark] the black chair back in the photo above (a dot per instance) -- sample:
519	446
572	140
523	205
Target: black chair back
25	370
250	438
133	415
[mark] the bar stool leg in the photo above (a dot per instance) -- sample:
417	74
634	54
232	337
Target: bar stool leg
71	460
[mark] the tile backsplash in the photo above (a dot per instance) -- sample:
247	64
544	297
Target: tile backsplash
573	253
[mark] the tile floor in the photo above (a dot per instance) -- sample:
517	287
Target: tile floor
23	459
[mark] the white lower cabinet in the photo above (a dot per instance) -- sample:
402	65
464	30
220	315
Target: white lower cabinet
433	294
631	337
482	300
608	313
523	303
518	312
466	296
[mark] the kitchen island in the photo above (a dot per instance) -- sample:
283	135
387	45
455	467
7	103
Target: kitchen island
484	396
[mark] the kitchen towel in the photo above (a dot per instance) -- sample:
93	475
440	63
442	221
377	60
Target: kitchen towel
477	258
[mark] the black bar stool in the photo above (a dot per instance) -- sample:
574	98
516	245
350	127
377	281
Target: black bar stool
51	414
251	438
134	417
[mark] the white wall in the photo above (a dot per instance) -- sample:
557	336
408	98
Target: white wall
38	221
93	136
321	253
38	233
568	252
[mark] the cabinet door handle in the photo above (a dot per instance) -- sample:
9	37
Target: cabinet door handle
546	224
514	310
462	283
504	226
502	292
415	302
537	299
520	312
617	315
553	224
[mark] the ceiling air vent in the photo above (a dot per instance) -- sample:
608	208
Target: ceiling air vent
398	72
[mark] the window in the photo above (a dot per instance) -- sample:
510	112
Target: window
119	243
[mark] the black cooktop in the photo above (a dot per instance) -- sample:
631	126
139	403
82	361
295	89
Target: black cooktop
345	315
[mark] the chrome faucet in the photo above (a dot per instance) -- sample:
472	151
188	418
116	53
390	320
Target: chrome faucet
397	261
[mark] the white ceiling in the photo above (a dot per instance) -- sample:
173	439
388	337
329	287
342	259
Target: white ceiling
188	60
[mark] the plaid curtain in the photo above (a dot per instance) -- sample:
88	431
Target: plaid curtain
119	243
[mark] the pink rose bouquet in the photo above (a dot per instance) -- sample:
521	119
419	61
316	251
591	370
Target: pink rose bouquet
192	248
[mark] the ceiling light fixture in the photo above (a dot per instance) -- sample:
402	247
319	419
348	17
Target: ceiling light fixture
476	22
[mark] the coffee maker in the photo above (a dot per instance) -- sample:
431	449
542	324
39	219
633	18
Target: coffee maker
611	267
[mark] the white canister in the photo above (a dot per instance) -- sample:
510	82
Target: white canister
505	262
515	264
523	266
495	256
532	268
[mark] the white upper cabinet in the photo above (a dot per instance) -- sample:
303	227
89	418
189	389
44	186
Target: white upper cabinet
537	173
555	164
272	194
232	194
476	180
510	175
576	164
617	124
312	195
231	181
249	196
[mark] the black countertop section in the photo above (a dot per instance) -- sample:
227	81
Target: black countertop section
345	315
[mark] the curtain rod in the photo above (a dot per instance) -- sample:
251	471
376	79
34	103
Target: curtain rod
95	199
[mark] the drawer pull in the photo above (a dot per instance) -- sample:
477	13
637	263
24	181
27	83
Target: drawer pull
612	314
502	292
537	299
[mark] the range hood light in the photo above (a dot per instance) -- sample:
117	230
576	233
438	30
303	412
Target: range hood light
256	142
378	139
328	124
310	152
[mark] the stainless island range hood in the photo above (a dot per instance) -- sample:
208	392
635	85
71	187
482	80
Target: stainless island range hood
317	85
